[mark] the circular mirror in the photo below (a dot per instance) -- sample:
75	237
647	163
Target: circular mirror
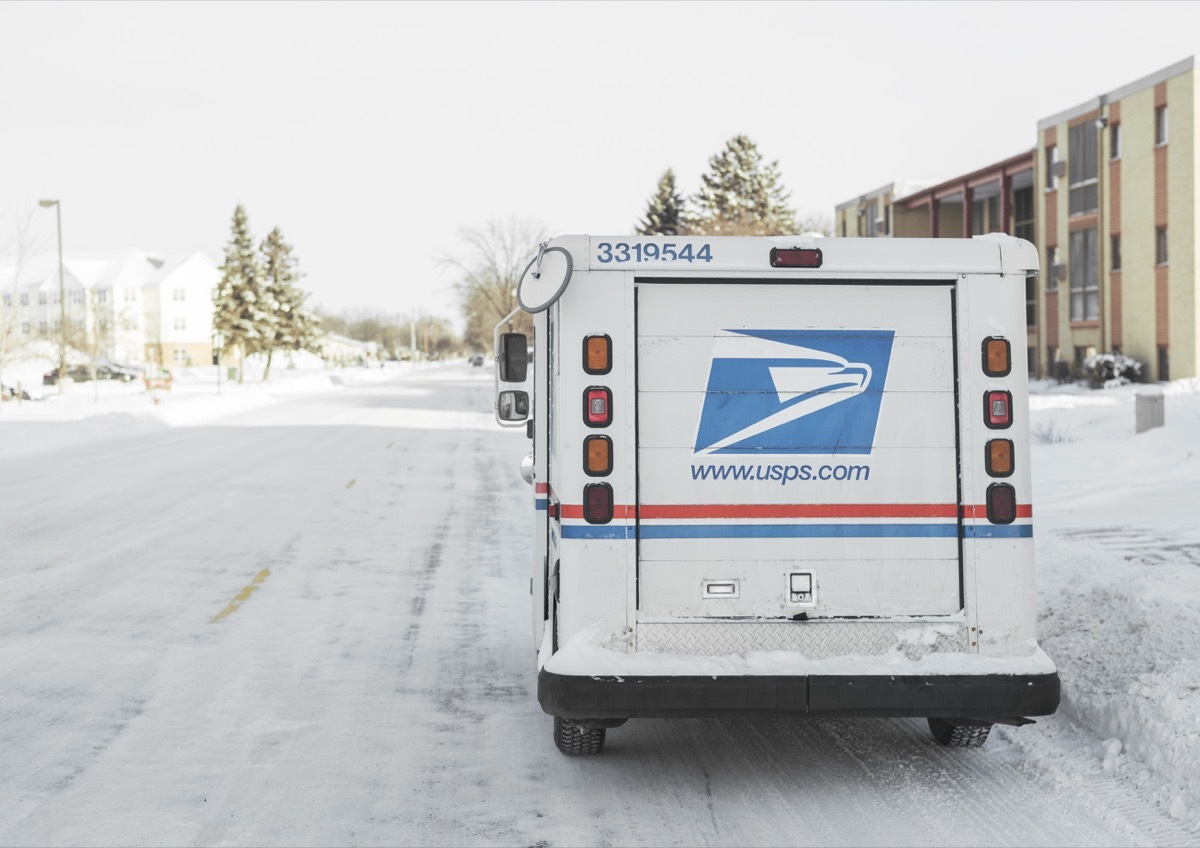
541	285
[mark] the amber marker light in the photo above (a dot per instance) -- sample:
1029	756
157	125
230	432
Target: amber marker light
997	358
597	456
999	458
597	354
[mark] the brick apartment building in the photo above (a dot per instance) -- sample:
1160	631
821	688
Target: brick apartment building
1109	196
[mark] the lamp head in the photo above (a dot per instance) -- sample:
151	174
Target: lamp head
47	203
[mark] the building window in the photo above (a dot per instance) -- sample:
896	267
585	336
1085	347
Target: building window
1083	168
180	323
1160	125
41	298
181	294
1116	252
76	297
1114	141
24	328
57	325
101	295
1053	266
1023	220
1085	276
7	299
182	357
1030	301
1160	245
24	298
1052	169
130	323
1031	360
130	295
1164	364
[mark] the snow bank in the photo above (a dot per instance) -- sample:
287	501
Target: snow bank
1118	558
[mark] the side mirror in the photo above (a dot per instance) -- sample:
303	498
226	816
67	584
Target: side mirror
512	406
512	358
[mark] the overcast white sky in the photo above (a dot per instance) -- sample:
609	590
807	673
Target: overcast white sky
372	132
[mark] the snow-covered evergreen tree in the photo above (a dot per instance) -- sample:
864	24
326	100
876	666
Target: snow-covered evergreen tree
238	303
666	214
292	327
739	196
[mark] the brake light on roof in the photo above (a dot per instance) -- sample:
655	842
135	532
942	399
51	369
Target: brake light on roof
796	257
997	409
597	406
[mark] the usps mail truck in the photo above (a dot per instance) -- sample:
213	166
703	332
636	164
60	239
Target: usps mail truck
779	475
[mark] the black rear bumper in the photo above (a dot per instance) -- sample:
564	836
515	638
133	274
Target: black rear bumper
941	696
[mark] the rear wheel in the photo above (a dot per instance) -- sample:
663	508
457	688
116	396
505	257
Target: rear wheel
573	737
954	735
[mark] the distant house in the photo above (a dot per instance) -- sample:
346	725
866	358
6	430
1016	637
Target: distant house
342	350
129	305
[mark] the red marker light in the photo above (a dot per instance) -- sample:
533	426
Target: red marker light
997	409
796	257
1001	503
597	503
597	406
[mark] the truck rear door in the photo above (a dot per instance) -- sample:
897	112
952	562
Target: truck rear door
796	449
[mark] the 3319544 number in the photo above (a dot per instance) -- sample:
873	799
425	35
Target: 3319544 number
652	251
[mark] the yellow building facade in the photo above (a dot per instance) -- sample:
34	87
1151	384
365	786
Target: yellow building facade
1110	197
1117	228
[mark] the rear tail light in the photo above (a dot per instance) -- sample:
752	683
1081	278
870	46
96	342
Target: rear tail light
597	503
1001	503
997	409
597	354
997	357
597	406
796	257
999	458
597	456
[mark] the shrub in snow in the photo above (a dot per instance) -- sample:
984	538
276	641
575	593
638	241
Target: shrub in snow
1106	370
1048	433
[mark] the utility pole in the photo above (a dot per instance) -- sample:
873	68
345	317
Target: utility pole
62	297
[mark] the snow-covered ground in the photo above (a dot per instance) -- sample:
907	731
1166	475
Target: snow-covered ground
296	613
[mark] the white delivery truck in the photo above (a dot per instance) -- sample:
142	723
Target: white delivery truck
779	475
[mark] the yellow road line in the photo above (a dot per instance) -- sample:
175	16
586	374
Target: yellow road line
242	596
351	483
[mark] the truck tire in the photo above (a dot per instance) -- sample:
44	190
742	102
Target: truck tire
574	738
952	735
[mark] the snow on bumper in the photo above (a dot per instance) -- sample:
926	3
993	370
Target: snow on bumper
587	678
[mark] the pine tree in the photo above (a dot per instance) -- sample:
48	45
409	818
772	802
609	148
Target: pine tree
292	327
665	213
741	197
238	312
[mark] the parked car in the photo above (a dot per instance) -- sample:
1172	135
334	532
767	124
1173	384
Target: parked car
116	371
78	373
9	393
477	360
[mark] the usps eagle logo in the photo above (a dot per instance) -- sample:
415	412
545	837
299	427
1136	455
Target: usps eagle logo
794	391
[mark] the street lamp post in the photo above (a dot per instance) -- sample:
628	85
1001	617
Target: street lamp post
62	297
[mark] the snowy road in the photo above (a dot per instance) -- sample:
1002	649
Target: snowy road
307	624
